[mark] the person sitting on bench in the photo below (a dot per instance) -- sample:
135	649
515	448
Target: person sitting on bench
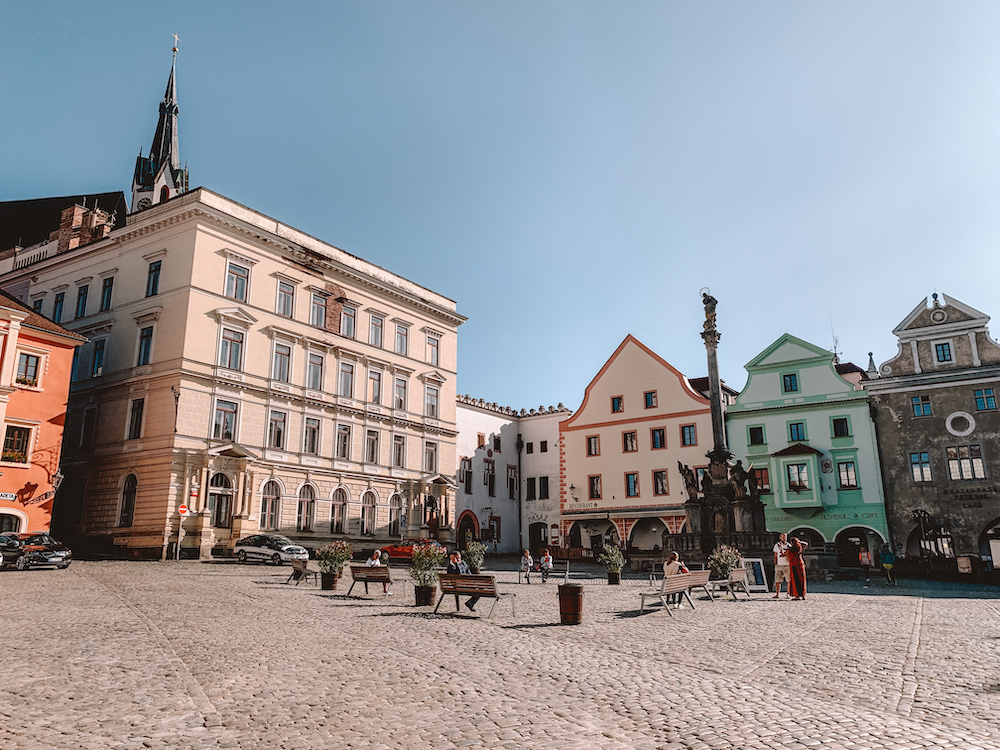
375	561
457	566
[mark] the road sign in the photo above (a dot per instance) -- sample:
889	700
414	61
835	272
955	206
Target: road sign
183	510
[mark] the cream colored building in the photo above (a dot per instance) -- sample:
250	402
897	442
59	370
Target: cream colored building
266	379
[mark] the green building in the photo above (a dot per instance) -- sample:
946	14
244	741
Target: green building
803	429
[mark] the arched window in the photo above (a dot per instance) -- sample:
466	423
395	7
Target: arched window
307	509
9	522
270	505
220	500
164	194
395	514
368	514
338	512
127	511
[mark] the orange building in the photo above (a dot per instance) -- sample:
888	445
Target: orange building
36	360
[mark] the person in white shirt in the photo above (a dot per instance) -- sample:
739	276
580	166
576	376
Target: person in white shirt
781	569
375	561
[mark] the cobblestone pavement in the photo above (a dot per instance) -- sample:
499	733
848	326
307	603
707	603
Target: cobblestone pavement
131	655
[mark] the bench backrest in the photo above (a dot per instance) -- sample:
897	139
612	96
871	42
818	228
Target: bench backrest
364	573
300	565
476	585
700	577
739	574
673	584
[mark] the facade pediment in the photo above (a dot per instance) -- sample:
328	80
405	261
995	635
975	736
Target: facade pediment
232	450
234	315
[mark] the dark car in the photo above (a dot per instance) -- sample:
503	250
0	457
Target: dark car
273	548
33	550
404	549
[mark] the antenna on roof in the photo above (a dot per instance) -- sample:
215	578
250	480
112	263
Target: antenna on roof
833	334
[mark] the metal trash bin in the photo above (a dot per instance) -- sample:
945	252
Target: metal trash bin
570	603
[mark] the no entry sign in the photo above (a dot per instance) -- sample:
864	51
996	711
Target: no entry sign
183	509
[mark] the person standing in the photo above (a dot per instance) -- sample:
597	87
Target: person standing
458	566
796	569
526	562
781	572
865	558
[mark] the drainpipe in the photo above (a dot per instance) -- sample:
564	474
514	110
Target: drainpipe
520	526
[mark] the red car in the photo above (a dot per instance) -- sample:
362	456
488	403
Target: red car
404	549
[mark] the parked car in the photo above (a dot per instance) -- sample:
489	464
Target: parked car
403	551
33	550
273	548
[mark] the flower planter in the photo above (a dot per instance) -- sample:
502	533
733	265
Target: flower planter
425	595
614	577
328	581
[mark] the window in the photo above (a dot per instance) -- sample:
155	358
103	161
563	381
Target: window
270	504
135	419
465	474
347	380
368	514
402	336
81	301
658	438
395	514
220	500
433	350
480	440
431	460
399	394
543	488
317	311
89	427
374	387
942	352
276	430
529	448
790	383
310	439
756	436
399	451
985	400
27	369
307	509
543	446
848	475
338	512
921	406
348	317
841	427
964	462
798	477
796	431
689	434
431	402
617	404
237	278
286	299
650	398
629	442
343	441
225	420
145	346
127	510
106	289
37	305
529	488
57	307
594	445
920	467
660	482
496	444
763	478
594	487
282	362
16	445
153	279
314	372
231	350
631	485
375	331
371	446
511	482
489	475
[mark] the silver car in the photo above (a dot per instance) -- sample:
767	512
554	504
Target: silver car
272	548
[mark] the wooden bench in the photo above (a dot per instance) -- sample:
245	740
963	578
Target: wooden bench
481	586
559	568
366	575
699	580
301	572
675	584
737	580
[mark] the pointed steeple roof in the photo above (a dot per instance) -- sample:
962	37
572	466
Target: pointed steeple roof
164	149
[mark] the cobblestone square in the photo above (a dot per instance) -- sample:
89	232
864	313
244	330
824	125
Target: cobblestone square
131	655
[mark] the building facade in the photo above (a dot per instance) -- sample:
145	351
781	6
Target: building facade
35	361
622	452
803	430
939	431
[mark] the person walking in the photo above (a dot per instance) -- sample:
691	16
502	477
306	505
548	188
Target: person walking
797	569
526	563
781	572
865	558
888	561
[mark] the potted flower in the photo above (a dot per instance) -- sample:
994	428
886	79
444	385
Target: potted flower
474	554
332	559
612	558
723	561
427	559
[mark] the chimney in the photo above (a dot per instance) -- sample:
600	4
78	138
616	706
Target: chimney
81	226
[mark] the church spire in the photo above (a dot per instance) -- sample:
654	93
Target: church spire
159	176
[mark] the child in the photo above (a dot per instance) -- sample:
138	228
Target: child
545	565
526	563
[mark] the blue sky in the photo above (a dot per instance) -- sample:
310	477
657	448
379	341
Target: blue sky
568	172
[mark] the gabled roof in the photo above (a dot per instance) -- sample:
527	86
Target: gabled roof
844	368
806	352
798	450
26	223
912	322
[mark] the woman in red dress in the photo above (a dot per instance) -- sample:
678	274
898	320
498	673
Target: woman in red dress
797	569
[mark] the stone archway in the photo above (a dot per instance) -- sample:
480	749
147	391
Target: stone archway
852	540
538	537
468	529
648	534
